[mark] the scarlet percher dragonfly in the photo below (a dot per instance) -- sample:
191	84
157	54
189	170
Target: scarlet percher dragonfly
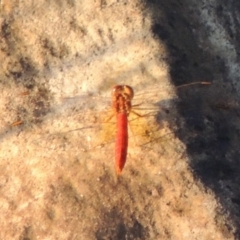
122	96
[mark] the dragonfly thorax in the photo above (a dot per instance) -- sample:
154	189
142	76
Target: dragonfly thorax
122	96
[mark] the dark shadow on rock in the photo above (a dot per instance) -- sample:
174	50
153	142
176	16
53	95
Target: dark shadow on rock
117	228
211	123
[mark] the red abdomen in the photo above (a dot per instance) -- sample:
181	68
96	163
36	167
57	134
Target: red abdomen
121	142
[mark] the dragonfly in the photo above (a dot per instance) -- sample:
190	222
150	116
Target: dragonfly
139	117
122	96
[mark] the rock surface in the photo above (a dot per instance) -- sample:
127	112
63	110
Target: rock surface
57	57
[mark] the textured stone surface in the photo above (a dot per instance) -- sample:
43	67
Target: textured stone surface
59	60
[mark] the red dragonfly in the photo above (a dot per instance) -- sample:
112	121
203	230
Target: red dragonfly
122	96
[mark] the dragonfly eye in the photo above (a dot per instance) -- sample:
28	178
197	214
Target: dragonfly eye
128	91
116	89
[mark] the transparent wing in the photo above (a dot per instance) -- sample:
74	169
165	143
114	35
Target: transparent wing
84	127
